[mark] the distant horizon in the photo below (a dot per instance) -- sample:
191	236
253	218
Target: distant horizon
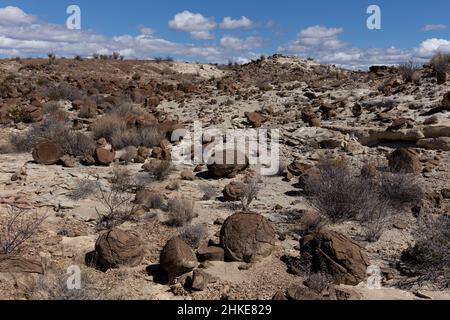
353	35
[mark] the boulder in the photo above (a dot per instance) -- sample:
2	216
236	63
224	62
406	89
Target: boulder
227	167
300	293
247	237
210	254
298	168
405	160
442	143
200	280
255	119
103	156
116	248
47	153
177	257
345	261
15	264
232	192
446	101
68	161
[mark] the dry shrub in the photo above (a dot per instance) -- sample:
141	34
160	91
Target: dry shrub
64	91
159	170
17	226
55	129
121	179
318	281
440	62
193	235
407	70
117	208
154	201
400	188
53	286
339	194
180	212
83	190
430	256
113	128
209	192
249	191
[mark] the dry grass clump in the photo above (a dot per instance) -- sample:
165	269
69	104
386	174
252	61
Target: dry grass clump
180	212
83	190
56	129
250	189
408	71
159	170
113	127
193	235
64	91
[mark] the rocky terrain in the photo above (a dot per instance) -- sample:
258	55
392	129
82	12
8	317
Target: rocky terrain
87	182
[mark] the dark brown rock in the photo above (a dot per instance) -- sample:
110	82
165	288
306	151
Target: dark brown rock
345	260
232	192
405	160
15	264
227	167
211	254
116	248
177	257
104	157
47	153
247	237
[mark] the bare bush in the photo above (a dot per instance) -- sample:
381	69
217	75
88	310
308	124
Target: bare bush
64	91
154	201
117	208
249	191
375	218
308	223
400	188
113	127
209	192
430	256
337	193
55	129
440	62
180	212
407	70
121	179
159	170
193	235
17	227
83	190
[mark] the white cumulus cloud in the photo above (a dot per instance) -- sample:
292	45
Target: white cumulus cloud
230	24
196	24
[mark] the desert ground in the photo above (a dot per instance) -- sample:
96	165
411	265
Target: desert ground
88	188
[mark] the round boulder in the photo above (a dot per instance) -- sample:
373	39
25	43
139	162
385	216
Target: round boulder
405	160
47	153
116	248
177	257
104	157
247	237
231	163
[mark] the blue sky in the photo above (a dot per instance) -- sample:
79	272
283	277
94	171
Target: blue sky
330	31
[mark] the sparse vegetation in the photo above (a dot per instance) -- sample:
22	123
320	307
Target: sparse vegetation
430	256
249	191
180	212
193	235
159	170
17	227
83	190
117	208
340	194
408	70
